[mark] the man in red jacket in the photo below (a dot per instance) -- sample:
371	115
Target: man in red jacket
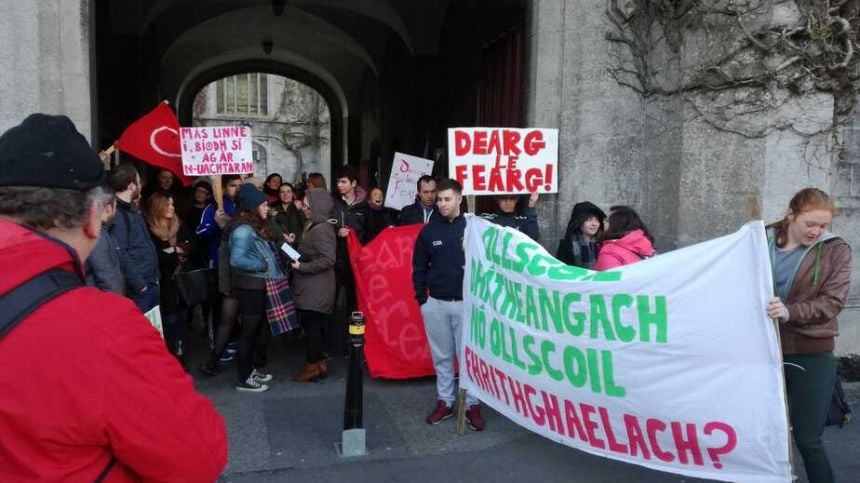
88	391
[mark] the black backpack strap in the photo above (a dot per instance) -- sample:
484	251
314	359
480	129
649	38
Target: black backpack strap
24	299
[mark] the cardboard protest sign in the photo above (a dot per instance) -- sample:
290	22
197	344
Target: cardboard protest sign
669	363
492	161
213	151
396	344
402	184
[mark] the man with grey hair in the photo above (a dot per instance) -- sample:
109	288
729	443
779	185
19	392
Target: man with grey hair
92	393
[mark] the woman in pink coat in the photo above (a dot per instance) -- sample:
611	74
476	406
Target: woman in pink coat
625	241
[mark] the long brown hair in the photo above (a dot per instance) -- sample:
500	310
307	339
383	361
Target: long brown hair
807	199
251	217
154	215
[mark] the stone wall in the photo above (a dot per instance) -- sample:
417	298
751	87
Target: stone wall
696	162
46	61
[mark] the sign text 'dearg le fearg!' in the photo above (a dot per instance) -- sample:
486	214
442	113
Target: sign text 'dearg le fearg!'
504	160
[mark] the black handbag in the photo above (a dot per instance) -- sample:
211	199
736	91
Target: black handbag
839	413
197	286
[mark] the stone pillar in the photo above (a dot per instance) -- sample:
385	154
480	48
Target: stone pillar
45	61
600	123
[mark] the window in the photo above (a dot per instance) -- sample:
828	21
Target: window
245	94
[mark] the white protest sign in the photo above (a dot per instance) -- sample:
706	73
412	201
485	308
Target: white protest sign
669	363
213	151
402	184
154	317
492	161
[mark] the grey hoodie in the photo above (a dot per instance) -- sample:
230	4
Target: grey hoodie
314	284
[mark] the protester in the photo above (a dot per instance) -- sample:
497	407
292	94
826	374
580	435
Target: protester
316	180
313	280
210	233
252	261
379	216
174	244
437	274
625	240
139	260
811	273
506	215
103	266
288	218
579	245
350	213
271	186
106	400
424	208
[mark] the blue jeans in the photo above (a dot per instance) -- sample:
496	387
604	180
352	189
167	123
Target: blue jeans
147	299
443	323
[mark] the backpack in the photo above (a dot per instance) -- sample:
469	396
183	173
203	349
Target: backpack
839	413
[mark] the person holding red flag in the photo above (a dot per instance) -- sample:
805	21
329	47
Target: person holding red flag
154	139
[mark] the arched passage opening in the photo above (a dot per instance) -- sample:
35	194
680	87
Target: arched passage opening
275	131
290	121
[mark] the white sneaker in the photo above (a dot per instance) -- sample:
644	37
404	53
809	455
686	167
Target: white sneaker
262	376
252	385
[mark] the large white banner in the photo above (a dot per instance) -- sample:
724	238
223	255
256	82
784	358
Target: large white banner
669	363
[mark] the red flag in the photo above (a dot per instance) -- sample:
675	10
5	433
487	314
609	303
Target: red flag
154	138
395	342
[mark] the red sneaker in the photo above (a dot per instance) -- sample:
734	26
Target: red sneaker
441	413
473	415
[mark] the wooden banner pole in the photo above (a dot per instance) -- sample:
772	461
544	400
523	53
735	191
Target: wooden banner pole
754	213
219	196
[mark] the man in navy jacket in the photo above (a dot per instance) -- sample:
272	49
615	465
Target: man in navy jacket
437	273
424	209
139	259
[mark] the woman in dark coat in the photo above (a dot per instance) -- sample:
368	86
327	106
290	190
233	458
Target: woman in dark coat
174	244
579	245
379	216
288	220
313	280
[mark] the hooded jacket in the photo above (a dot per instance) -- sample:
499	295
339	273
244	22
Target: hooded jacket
816	294
355	216
98	386
572	249
628	249
313	282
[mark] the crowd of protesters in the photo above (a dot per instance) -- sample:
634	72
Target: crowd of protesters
137	238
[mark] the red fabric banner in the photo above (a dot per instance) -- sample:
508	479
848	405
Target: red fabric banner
154	138
396	344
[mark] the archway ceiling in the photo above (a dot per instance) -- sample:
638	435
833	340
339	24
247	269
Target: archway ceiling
332	39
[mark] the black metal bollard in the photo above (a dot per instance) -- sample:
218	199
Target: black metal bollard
353	408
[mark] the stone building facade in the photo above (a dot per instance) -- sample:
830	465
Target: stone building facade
289	121
697	113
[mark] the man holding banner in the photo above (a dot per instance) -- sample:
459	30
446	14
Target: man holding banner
437	273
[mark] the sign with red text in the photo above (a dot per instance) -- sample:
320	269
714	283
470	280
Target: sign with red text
403	182
670	363
216	150
492	161
395	341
